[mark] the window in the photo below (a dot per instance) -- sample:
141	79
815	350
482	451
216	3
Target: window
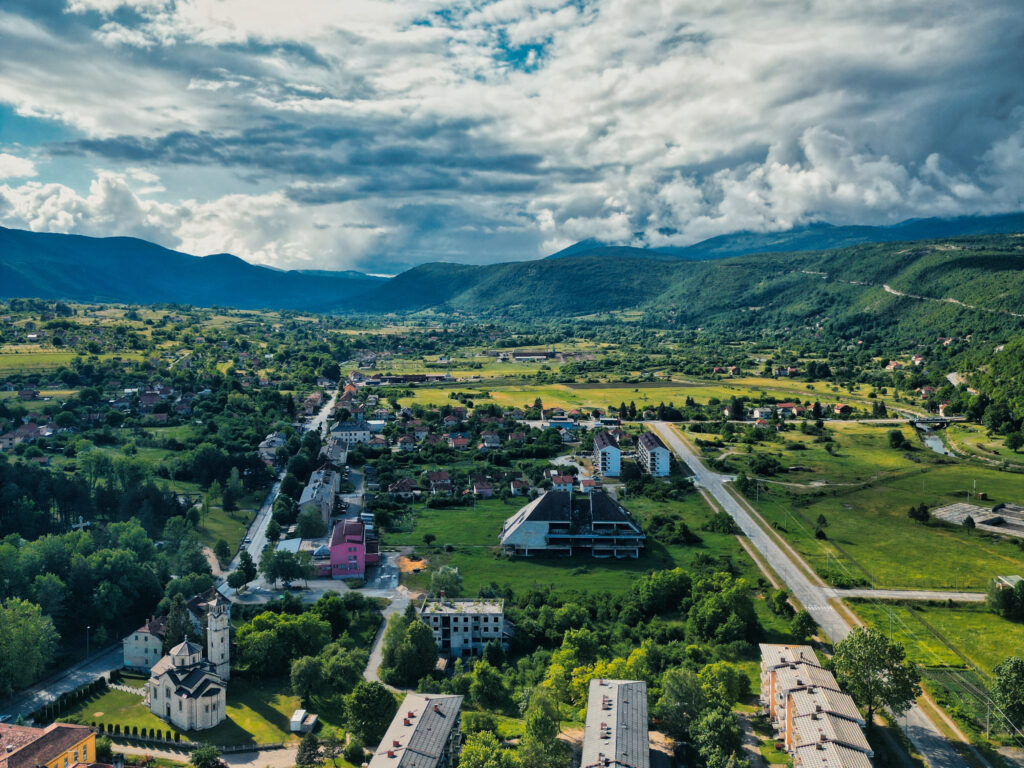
76	755
85	754
179	706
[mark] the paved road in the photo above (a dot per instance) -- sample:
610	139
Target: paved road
926	737
267	758
908	594
397	605
86	671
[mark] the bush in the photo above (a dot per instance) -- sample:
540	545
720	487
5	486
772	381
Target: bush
354	752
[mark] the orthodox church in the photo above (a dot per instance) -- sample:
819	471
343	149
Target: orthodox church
187	690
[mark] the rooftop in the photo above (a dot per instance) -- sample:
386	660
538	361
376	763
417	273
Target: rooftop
829	728
811	701
616	727
37	746
604	440
650	441
804	676
830	755
418	733
777	655
451	606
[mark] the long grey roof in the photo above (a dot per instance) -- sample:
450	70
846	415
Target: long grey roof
418	733
650	441
616	728
604	440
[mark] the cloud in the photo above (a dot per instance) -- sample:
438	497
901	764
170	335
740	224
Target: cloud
12	166
479	131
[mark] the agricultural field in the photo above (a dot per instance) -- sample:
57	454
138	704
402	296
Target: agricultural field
871	540
473	533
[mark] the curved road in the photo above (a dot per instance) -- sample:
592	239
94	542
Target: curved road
815	597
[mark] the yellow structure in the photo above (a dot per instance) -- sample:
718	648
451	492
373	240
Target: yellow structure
60	745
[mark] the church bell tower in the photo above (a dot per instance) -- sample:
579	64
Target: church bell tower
218	640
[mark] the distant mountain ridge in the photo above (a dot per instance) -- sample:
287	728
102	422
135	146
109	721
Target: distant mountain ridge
818	236
703	284
130	270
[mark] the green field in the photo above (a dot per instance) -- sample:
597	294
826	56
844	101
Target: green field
870	537
861	452
258	713
25	358
473	533
944	636
975	441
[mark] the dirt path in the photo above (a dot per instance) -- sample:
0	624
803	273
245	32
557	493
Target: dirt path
267	758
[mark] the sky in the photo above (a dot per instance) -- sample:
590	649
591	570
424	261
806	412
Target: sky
379	134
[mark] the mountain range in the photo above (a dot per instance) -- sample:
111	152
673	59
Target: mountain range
739	279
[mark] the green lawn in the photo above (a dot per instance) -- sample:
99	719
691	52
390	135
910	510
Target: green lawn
258	713
473	533
870	537
974	440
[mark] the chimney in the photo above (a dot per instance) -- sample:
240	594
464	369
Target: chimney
410	714
437	707
396	743
391	753
406	722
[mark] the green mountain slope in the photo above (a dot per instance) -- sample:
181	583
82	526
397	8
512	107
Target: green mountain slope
125	269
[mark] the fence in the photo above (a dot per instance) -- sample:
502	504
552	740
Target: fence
184	744
128	689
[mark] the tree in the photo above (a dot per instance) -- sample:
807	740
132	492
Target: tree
875	671
897	439
487	689
819	527
1008	689
355	752
206	756
370	708
246	565
721	682
236	579
307	677
969	524
446	579
409	651
540	747
717	737
429	538
1015	441
332	745
104	750
28	641
222	551
682	701
273	530
310	525
919	512
179	624
803	627
483	750
308	753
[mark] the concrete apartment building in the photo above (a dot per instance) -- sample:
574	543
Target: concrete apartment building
463	627
615	733
426	732
607	456
652	455
819	724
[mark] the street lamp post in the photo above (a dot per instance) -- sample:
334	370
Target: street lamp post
87	628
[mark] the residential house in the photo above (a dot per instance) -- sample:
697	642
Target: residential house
144	647
440	482
841	409
407	443
59	745
348	549
458	442
483	488
320	493
490	439
403	489
652	455
562	482
351	432
519	487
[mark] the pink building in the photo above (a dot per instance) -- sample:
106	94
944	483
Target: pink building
348	549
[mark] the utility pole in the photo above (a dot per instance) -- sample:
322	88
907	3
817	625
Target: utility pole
87	628
890	625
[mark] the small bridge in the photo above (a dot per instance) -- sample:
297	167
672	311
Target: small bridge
935	422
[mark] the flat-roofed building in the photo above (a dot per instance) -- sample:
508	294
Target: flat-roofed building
616	728
775	656
607	456
464	627
652	455
425	733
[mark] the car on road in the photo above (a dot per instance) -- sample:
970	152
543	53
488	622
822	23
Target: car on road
247	540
